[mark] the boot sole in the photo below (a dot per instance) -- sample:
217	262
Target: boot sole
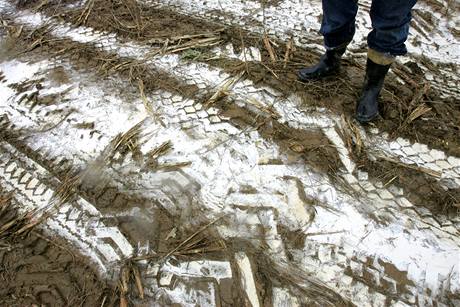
306	80
367	119
317	78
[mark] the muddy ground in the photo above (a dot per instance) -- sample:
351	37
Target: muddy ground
43	271
38	270
438	127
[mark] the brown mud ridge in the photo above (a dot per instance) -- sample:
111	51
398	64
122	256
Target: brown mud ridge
39	271
420	189
268	3
413	110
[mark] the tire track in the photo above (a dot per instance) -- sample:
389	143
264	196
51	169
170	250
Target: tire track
78	222
259	99
274	182
176	179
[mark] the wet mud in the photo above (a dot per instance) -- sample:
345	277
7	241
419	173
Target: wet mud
37	270
421	188
438	127
71	282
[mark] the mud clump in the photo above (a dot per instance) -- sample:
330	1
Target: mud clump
131	19
37	270
312	145
421	189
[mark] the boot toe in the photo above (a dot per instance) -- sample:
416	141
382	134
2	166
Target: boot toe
364	115
306	74
367	110
309	74
366	118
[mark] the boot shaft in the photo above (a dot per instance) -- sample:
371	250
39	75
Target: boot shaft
367	108
329	64
332	57
375	73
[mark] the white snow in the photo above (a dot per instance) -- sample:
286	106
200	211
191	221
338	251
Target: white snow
247	278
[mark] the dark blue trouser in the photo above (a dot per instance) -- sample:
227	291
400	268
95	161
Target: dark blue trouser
390	23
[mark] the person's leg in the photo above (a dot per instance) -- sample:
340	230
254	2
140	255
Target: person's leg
390	23
338	28
338	24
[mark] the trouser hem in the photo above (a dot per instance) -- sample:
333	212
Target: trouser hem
381	58
341	46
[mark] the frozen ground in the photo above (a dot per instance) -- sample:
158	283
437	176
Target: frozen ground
282	228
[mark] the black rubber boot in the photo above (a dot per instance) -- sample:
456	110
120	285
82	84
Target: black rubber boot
329	64
367	109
